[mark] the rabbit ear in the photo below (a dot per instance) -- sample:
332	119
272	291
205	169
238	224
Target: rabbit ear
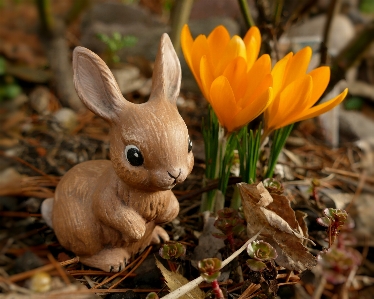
95	84
166	79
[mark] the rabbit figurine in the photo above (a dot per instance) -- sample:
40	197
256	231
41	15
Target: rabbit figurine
105	211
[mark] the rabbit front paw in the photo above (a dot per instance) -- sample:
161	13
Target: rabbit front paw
158	235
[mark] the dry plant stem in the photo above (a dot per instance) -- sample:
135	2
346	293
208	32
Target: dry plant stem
58	268
249	291
332	11
180	15
46	268
369	179
194	283
53	179
320	287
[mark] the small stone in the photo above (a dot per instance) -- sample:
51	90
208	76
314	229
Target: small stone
39	100
65	119
40	282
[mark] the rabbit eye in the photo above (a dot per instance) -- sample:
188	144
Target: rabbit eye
133	155
189	144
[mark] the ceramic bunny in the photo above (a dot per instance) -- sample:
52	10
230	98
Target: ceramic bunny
105	211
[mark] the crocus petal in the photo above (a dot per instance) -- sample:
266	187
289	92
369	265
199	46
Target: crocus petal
321	78
256	75
252	41
298	65
223	101
258	89
251	111
235	72
322	108
290	100
295	97
279	71
217	42
206	78
199	49
186	43
233	49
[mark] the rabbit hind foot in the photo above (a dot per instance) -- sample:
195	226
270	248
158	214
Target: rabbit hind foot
46	210
109	260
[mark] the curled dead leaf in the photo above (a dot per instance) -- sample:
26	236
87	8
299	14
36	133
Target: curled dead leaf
273	214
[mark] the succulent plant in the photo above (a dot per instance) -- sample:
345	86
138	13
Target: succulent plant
273	186
152	295
230	224
260	252
338	263
209	268
172	250
334	219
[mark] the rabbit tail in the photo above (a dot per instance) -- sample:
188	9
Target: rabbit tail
46	210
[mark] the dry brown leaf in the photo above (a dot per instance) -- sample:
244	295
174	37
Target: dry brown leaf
273	214
176	280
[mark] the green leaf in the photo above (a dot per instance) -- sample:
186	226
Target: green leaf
255	265
324	221
2	65
353	103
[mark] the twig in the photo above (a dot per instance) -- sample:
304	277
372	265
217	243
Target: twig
46	268
333	8
348	173
320	287
58	268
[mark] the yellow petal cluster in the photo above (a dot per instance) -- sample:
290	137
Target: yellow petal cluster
296	91
232	79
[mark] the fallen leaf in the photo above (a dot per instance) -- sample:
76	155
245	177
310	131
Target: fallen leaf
273	214
175	281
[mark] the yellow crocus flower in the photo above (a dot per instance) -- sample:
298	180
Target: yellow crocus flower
295	91
232	79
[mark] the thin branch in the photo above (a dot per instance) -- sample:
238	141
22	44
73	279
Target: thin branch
332	11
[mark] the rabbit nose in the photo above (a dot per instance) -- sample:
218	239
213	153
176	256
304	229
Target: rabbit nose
175	177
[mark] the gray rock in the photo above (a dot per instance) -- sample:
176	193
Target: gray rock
311	31
128	78
363	215
354	125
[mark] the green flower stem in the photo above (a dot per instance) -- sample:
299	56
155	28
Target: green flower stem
246	13
227	148
211	134
279	140
249	151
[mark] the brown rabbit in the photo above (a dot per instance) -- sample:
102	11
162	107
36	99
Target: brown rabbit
105	211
